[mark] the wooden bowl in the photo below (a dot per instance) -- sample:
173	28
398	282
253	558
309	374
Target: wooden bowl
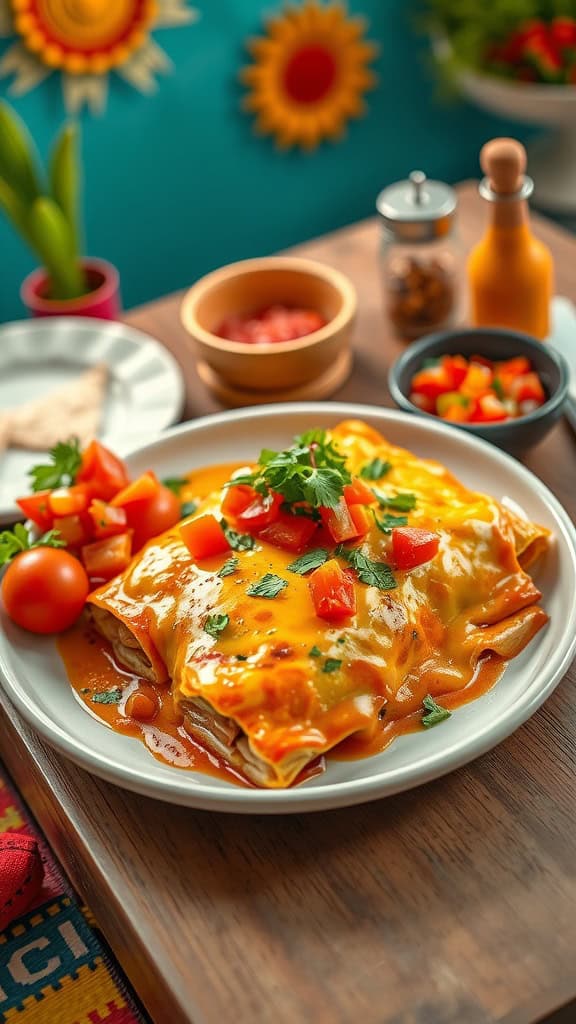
309	367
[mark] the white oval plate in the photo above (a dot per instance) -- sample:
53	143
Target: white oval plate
145	390
35	679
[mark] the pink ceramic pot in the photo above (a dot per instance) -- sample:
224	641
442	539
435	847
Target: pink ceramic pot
103	299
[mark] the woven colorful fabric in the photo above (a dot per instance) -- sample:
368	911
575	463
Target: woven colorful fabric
55	967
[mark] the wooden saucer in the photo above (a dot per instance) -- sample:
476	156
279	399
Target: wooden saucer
320	387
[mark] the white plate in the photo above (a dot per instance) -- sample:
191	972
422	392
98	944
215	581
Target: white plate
35	679
145	391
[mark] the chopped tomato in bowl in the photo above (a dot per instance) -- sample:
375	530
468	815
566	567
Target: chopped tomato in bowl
271	325
498	384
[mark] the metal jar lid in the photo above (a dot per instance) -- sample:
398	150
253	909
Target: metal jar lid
417	210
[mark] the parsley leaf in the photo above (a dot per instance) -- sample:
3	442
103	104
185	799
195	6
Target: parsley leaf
400	502
331	664
341	640
237	541
436	713
108	696
175	483
498	388
386	523
230	566
311	471
268	586
375	470
216	624
241	657
373	574
66	461
188	508
310	560
12	542
315	652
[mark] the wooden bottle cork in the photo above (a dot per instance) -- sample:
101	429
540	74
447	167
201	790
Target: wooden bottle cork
504	164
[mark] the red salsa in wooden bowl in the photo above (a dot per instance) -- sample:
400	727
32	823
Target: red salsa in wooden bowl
270	325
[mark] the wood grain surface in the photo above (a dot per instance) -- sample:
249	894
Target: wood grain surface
451	904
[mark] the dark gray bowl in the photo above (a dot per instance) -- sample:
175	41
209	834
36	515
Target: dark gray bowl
515	436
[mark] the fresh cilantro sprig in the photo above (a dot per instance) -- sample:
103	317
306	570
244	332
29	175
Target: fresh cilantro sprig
311	471
315	652
216	624
376	469
188	508
230	566
400	502
387	523
268	586
12	542
436	713
66	459
237	541
310	560
331	664
373	574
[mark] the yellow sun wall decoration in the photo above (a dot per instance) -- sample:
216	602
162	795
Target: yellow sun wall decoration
309	75
85	40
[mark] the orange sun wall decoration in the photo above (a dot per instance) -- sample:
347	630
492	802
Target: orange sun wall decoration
85	40
309	74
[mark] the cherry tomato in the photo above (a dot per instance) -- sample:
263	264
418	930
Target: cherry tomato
152	516
44	590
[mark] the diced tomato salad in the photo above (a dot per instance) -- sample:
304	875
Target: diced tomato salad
271	325
477	390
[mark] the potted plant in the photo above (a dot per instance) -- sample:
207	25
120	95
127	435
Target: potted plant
43	208
517	58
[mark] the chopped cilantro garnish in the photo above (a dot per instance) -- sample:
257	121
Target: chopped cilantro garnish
237	541
66	459
175	483
108	696
436	713
400	502
188	508
315	652
230	566
241	657
386	523
268	586
331	665
312	471
375	470
498	388
341	640
12	542
216	624
373	574
310	560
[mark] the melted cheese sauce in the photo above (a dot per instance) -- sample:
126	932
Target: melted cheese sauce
396	650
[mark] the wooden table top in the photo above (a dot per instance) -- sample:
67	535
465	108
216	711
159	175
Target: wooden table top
451	904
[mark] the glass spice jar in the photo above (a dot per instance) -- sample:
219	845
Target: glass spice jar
421	257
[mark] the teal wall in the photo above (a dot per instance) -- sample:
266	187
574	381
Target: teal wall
177	183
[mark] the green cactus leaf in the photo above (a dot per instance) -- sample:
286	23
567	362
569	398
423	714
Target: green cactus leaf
17	156
64	177
53	241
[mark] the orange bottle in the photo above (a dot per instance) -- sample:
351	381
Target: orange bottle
510	272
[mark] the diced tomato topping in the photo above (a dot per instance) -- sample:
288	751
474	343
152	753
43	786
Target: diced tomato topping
103	470
528	388
204	537
477	380
74	530
262	510
432	381
424	402
37	508
457	368
358	493
515	367
267	326
456	414
361	518
68	501
106	558
106	519
291	533
339	522
236	499
487	409
412	546
333	591
146	486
